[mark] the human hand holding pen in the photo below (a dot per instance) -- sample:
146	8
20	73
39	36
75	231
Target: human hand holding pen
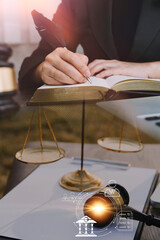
62	66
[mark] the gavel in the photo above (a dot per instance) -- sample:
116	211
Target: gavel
112	201
8	85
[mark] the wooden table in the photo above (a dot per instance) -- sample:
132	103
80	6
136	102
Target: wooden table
148	157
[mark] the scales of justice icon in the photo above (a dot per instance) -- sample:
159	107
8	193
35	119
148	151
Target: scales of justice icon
80	180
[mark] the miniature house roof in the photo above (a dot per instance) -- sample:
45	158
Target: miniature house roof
85	219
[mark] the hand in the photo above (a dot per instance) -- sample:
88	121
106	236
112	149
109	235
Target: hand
63	67
106	68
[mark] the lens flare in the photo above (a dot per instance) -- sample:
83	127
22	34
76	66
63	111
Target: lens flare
100	209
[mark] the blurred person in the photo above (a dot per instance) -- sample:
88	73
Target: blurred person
119	37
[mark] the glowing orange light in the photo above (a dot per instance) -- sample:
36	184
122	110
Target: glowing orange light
100	209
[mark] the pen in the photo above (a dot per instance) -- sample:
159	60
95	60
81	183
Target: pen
89	80
49	31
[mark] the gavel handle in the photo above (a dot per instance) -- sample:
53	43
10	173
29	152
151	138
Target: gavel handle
142	217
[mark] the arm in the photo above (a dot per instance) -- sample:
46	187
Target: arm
106	68
41	66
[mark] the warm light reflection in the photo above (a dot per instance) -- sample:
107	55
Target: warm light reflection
19	7
16	21
47	7
100	209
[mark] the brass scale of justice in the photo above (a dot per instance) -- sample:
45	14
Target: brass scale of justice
80	180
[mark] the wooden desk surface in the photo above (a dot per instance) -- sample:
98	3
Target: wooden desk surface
148	158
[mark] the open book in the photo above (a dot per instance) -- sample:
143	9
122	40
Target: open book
97	90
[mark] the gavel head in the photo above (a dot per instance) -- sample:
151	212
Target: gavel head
103	206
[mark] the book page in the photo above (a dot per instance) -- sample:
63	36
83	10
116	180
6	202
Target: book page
108	82
99	82
113	80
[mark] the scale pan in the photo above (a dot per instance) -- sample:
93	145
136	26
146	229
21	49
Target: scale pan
38	155
125	146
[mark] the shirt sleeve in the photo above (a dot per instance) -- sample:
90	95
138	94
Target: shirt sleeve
65	18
